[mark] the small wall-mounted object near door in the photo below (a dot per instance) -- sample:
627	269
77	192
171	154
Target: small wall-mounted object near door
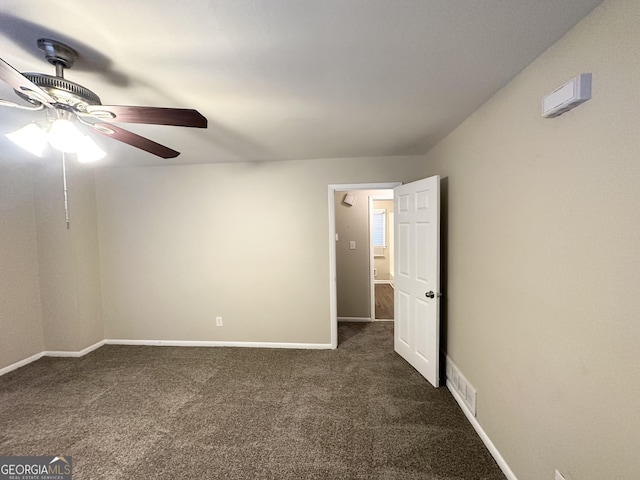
349	199
570	95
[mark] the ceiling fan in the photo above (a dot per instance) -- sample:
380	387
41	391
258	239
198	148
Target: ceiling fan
69	105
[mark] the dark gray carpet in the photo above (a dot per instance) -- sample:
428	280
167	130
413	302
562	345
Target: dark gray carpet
358	412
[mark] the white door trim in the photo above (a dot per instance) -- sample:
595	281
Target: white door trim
333	296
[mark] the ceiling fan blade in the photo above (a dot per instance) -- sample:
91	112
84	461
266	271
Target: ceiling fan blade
180	117
22	84
134	140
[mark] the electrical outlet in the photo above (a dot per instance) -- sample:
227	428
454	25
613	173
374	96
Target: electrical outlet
218	321
559	476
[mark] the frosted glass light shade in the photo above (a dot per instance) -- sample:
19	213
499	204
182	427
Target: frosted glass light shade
87	150
64	136
30	137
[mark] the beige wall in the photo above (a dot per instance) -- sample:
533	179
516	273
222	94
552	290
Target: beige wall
382	263
20	315
68	259
353	285
249	242
543	220
50	284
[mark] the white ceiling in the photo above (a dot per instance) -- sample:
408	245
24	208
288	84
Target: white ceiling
287	79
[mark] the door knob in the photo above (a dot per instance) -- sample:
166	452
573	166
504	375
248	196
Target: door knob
430	294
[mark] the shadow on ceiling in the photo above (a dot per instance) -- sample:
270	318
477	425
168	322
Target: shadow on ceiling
25	34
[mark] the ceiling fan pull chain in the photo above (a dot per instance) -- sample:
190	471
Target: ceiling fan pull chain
64	188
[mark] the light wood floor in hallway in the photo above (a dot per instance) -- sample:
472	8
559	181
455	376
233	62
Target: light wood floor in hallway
384	301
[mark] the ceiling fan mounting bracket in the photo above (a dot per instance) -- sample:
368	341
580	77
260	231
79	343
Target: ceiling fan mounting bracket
57	53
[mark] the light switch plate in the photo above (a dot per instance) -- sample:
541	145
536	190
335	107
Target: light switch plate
352	245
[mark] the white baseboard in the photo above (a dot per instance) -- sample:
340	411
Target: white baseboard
216	343
354	319
21	363
81	353
383	282
172	343
483	436
46	353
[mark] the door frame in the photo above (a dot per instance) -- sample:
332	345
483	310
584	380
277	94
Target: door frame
333	294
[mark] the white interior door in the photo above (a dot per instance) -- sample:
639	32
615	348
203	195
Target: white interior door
417	276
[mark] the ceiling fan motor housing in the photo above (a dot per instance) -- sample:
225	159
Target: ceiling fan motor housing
65	92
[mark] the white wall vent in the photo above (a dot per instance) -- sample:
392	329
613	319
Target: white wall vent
564	98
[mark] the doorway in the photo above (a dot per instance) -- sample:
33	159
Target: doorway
381	219
356	247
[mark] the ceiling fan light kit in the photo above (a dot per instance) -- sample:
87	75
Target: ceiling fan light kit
62	135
